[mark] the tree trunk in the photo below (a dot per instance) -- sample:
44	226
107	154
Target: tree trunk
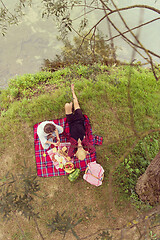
148	185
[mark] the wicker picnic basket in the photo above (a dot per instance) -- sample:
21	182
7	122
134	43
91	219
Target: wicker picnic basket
100	179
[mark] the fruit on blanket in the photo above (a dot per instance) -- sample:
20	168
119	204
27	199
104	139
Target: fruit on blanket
69	167
61	165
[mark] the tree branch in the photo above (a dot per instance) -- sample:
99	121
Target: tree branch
110	33
82	15
141	25
137	6
7	9
121	34
138	41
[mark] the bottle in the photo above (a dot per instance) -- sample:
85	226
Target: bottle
74	175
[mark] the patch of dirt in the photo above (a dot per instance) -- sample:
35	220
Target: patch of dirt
1	233
96	205
6	163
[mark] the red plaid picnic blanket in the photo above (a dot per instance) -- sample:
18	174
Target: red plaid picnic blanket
45	167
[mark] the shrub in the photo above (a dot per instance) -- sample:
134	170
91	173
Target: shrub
135	164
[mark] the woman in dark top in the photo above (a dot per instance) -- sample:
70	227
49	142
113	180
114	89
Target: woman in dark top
77	129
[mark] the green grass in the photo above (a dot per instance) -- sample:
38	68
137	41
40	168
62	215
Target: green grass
122	104
135	164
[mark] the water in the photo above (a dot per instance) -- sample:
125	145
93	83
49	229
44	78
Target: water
149	35
25	46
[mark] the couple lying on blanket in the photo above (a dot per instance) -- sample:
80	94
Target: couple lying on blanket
80	144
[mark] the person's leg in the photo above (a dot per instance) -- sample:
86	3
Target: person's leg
75	100
68	108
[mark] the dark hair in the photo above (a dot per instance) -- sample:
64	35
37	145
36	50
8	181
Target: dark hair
49	128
